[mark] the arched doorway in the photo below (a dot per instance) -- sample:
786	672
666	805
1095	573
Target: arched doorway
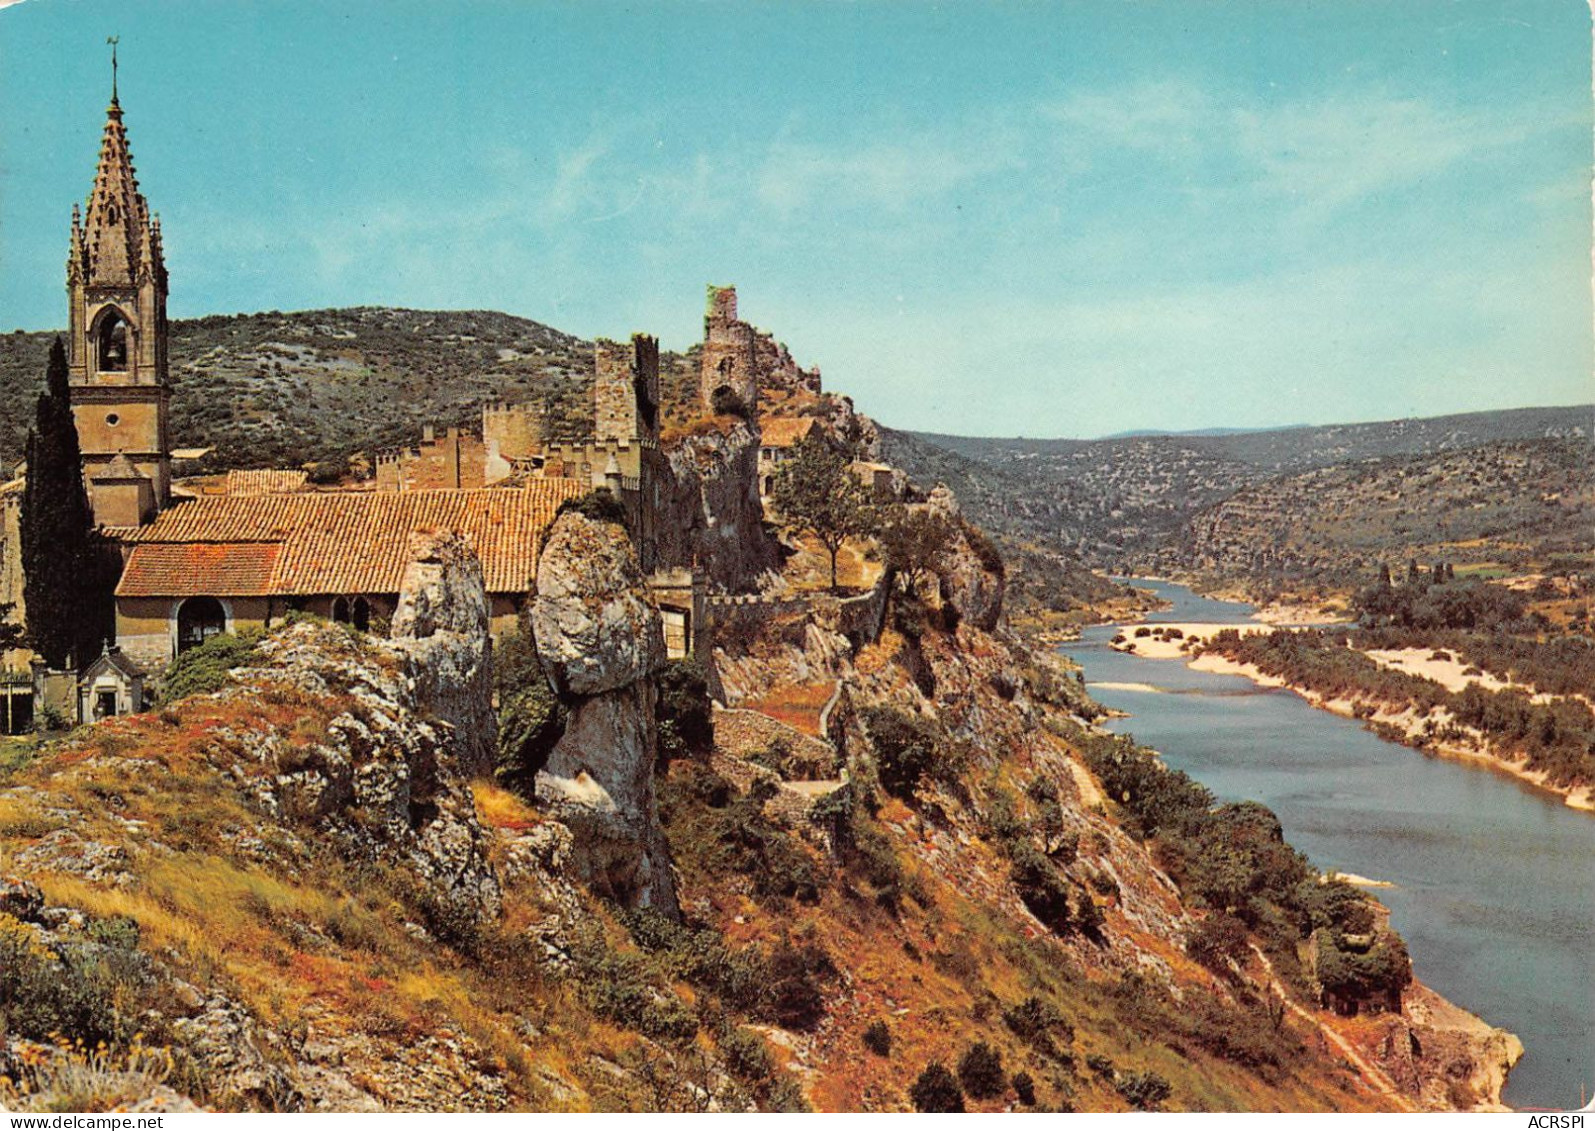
340	610
113	344
361	614
198	619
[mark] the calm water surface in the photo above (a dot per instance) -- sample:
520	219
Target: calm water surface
1494	882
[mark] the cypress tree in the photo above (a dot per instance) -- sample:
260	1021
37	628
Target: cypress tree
60	563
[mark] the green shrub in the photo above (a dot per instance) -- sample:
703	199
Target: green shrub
905	749
203	669
936	1089
1024	1086
725	402
1144	1091
980	1071
1217	941
794	995
878	1038
683	712
1353	979
70	988
1038	1023
597	505
618	989
1041	888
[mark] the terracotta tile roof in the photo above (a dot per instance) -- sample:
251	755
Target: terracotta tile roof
271	481
784	431
177	569
336	542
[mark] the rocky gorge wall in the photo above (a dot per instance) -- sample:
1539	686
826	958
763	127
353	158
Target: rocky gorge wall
710	514
601	642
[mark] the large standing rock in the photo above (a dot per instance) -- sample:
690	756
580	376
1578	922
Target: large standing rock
595	627
441	623
710	513
600	641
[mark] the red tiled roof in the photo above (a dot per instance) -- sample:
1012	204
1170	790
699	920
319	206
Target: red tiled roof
176	569
271	481
784	431
342	542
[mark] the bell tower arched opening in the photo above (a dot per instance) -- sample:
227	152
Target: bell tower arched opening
112	344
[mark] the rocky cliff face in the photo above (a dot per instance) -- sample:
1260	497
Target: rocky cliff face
711	513
1009	826
600	641
441	623
386	779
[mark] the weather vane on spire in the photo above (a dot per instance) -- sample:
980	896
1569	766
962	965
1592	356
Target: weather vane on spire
113	40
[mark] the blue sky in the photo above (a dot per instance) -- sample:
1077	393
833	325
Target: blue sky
1047	219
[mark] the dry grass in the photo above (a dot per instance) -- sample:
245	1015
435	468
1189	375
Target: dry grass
796	705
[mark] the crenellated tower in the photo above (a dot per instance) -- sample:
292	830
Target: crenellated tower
116	295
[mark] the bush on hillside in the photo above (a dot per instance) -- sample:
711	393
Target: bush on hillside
936	1089
683	712
980	1071
203	669
1024	1086
905	749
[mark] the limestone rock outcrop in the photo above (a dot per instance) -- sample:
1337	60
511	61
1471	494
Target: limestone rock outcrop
385	778
973	581
441	624
711	513
600	642
596	630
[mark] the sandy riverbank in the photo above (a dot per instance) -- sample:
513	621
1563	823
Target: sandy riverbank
1174	641
1410	724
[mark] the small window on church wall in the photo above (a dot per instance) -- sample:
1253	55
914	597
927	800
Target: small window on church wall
113	344
112	419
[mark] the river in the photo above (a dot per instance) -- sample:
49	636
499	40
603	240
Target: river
1494	882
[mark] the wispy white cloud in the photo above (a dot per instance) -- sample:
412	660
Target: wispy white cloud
890	173
1328	154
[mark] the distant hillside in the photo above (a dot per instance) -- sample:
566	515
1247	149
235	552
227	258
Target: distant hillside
282	389
1122	503
1508	503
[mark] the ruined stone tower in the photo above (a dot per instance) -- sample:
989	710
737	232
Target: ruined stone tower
116	294
727	378
626	390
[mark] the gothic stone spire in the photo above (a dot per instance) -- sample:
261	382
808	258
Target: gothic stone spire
116	239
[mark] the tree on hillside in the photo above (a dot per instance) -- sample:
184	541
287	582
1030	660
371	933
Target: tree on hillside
60	564
815	491
914	542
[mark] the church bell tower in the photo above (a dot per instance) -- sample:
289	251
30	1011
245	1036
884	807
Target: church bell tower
116	292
